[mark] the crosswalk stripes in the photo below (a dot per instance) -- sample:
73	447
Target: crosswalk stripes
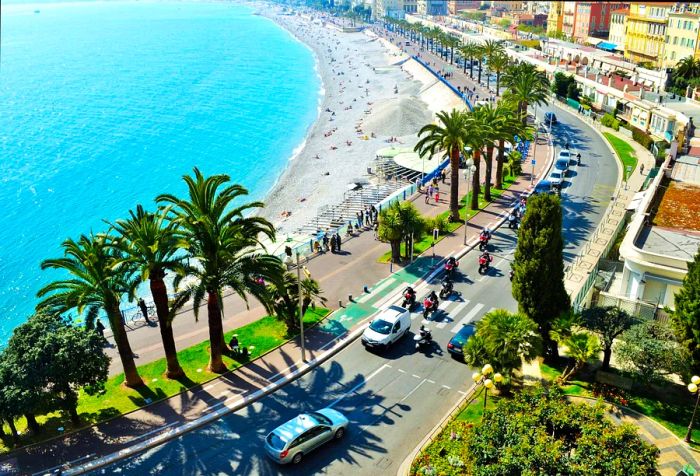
455	311
468	318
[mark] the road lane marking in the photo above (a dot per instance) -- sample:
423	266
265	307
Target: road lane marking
402	371
431	381
352	390
416	376
448	388
412	391
455	312
466	319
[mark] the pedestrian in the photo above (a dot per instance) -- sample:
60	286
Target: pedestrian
100	328
359	219
437	196
333	243
325	240
428	193
443	175
641	169
144	310
337	241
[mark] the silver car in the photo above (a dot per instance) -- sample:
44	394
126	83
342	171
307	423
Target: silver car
301	435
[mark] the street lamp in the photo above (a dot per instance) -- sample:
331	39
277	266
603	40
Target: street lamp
482	378
693	388
301	315
471	168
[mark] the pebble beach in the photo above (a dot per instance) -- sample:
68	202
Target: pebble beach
373	96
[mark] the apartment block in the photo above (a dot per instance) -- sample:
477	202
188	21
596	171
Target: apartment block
593	19
618	27
646	32
555	18
682	35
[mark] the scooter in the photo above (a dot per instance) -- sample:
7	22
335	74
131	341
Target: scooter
409	299
446	289
513	222
483	242
484	264
429	306
423	339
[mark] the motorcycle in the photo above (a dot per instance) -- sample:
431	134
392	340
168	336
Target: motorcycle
429	306
423	339
450	268
484	264
483	242
409	299
512	273
446	289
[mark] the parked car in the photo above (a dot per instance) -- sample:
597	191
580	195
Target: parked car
459	340
304	433
564	154
556	177
388	327
550	118
544	186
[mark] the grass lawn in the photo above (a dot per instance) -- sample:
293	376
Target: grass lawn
424	244
624	151
260	337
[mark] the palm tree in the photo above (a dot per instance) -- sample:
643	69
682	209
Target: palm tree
503	339
390	231
480	57
149	242
435	35
526	86
687	68
98	282
582	347
514	163
490	49
286	299
449	135
220	238
498	63
451	42
496	130
469	50
510	127
478	136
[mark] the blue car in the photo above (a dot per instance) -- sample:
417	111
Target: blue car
460	339
544	186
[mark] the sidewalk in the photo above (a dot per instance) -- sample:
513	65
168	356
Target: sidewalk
339	274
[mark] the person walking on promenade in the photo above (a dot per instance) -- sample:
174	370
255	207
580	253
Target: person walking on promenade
100	328
144	310
443	175
437	196
337	241
641	169
325	242
428	194
333	243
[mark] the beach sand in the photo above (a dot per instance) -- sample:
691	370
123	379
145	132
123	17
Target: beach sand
360	75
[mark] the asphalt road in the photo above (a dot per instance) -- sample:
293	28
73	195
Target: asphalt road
587	188
392	399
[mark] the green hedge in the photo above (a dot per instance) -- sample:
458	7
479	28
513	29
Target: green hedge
609	120
642	137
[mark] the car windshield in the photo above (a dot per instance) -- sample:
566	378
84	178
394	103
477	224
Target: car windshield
275	441
464	334
564	154
320	419
555	175
381	326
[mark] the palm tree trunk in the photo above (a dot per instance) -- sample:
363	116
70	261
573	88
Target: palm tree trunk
160	298
499	163
454	185
396	251
479	81
523	112
216	334
607	353
471	67
476	179
132	379
498	83
487	177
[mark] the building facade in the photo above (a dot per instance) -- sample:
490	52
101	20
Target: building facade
432	7
682	35
454	6
593	19
618	27
568	19
555	17
646	32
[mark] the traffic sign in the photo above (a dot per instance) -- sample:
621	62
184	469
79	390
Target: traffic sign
533	162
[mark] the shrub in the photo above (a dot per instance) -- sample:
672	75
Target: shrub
440	222
642	137
609	120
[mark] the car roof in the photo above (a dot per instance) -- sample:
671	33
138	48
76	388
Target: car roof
391	314
295	427
555	173
562	159
564	152
467	330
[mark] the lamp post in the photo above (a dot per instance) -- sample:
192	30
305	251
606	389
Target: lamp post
693	388
471	168
482	378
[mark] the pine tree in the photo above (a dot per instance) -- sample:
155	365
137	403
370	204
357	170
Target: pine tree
538	281
686	317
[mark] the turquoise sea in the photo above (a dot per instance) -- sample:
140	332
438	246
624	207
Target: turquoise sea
104	105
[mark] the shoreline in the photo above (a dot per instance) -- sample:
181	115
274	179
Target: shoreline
356	69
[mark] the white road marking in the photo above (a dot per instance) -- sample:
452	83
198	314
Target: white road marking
455	312
416	376
466	319
448	388
402	371
462	392
431	381
412	391
369	377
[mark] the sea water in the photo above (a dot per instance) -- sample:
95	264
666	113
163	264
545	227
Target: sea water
105	105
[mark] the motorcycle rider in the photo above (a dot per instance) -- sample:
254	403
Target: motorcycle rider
485	259
409	296
578	158
433	298
512	220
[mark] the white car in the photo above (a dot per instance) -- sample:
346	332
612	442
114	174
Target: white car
388	327
564	154
556	178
